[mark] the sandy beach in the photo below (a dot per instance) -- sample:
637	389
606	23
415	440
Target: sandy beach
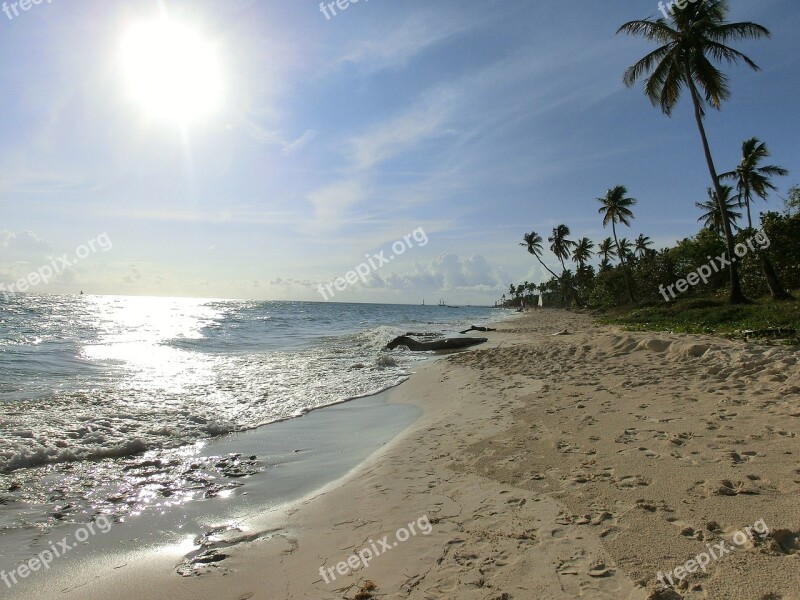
581	465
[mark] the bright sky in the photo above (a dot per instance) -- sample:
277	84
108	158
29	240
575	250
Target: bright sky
270	148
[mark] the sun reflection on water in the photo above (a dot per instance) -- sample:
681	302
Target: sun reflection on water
135	333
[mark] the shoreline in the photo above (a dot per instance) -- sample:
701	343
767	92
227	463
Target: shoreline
172	475
548	466
301	456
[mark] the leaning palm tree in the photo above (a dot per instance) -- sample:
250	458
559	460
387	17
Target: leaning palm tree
712	217
560	245
693	39
533	242
642	244
582	252
616	208
751	179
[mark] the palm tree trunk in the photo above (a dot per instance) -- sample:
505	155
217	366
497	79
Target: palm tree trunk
776	287
774	284
546	267
624	264
736	295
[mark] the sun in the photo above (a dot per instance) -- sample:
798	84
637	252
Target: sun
171	70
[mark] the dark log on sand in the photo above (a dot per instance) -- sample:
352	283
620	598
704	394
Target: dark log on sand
447	344
473	328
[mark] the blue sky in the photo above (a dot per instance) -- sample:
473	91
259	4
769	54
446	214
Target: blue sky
477	122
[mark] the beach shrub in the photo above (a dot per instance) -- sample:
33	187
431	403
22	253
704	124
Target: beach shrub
783	232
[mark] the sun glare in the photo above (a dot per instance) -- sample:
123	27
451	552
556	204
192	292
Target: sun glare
171	70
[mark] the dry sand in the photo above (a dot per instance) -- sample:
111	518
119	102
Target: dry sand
568	466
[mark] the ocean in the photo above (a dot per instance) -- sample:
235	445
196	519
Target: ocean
104	400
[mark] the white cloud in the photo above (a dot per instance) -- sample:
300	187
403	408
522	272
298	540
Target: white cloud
22	244
446	272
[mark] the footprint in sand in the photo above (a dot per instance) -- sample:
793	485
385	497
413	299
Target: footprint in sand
649	453
737	458
631	481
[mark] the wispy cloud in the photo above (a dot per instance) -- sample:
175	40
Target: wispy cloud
300	142
395	46
401	134
29	182
331	203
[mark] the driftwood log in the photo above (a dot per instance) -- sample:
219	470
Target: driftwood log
446	344
474	328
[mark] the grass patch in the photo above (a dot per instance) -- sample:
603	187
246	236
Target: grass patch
708	315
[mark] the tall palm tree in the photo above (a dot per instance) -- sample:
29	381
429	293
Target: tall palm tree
582	252
642	244
616	208
606	251
533	241
560	244
751	179
690	43
712	217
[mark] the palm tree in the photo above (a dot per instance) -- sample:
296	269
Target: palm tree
606	252
793	200
560	245
689	45
711	217
616	208
533	241
625	249
752	179
642	244
582	252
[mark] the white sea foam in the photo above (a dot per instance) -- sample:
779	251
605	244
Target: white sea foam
95	378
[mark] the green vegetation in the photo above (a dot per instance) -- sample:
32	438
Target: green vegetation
710	315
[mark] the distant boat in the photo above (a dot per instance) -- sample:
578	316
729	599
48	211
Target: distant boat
442	303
